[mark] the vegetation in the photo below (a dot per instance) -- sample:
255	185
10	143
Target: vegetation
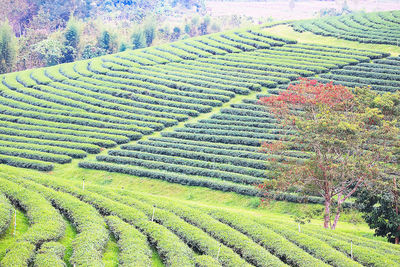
151	156
350	139
377	27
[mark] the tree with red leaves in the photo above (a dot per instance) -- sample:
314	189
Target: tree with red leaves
348	142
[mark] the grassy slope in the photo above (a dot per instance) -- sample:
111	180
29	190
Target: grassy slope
191	195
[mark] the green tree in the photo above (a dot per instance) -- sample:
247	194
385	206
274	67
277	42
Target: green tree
71	42
91	51
380	200
107	42
49	51
139	39
149	32
349	142
8	48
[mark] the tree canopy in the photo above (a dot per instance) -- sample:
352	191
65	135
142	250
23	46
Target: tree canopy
349	142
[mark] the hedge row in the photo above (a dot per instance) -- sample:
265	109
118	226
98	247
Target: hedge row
221	185
259	32
275	243
236	71
294	60
68	126
173	251
217	88
383	247
40	213
214	138
190	49
206	164
312	245
227	133
380	88
36	155
146	98
73	117
366	28
6	213
241	244
20	254
136	58
226	44
361	254
200	75
260	38
89	148
15	96
264	66
133	246
323	52
25	163
366	74
81	118
107	105
169	57
191	235
366	81
178	94
92	237
389	250
134	78
116	60
170	164
118	106
252	82
175	141
51	254
335	59
329	62
252	163
194	42
57	137
206	261
373	68
175	51
52	130
302	68
212	127
247	41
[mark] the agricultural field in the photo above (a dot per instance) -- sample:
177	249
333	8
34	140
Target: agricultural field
376	27
150	157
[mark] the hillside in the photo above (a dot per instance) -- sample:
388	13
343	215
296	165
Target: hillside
127	154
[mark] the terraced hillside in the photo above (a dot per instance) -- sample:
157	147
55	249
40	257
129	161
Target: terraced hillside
183	235
222	151
74	139
64	112
377	27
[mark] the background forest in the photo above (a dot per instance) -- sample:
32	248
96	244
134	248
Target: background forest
53	32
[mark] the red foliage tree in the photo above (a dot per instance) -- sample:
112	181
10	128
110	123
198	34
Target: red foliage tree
347	142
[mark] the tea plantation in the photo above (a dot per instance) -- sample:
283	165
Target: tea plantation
117	160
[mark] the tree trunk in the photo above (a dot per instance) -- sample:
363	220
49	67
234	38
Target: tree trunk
337	216
327	212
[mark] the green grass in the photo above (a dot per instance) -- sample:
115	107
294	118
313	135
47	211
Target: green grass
66	240
110	256
7	239
156	260
308	37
